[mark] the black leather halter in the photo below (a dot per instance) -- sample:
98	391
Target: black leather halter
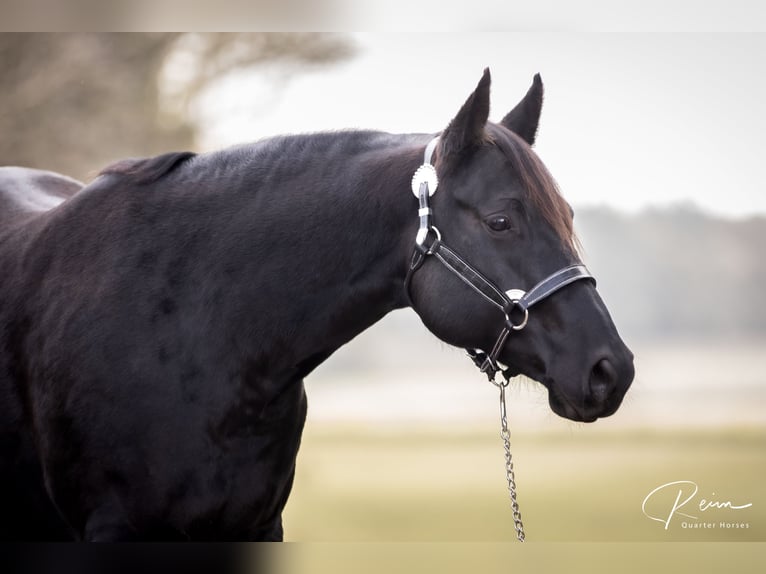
514	303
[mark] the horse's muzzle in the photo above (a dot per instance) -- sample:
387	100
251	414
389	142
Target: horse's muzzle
600	395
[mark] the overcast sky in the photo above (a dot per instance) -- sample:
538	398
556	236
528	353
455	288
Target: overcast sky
630	120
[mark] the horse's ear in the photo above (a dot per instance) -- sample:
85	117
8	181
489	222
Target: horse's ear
525	117
466	130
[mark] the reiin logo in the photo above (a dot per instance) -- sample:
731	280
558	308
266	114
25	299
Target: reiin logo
667	500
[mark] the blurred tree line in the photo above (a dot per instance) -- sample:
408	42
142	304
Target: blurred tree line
678	272
75	102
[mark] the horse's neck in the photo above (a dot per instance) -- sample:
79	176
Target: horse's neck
330	249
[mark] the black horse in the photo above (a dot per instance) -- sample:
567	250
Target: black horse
156	325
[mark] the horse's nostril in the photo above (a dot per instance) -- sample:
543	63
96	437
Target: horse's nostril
603	378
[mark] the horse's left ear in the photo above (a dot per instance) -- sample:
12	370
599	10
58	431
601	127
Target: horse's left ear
525	117
466	130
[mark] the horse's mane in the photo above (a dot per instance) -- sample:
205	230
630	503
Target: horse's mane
542	190
540	186
148	170
296	146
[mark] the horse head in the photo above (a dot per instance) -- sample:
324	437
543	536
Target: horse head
498	207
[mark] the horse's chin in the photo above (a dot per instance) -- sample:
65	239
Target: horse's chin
567	409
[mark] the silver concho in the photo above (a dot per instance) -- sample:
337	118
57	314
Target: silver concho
515	294
427	173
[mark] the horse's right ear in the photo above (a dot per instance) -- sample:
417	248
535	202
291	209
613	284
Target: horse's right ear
525	117
466	130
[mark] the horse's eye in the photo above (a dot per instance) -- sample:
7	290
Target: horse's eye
499	223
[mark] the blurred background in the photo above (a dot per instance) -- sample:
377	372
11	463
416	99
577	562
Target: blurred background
656	140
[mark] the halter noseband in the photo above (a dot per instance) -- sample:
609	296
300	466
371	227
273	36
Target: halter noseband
424	184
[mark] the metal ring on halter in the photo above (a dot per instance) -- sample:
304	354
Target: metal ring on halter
516	295
438	239
420	238
519	326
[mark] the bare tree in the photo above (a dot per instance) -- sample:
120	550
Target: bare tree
75	102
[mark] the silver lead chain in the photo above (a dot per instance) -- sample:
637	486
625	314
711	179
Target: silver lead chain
505	434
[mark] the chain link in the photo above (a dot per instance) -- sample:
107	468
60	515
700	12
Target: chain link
510	476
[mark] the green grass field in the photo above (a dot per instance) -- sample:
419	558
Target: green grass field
363	485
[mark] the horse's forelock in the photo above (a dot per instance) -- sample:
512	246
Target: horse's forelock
542	190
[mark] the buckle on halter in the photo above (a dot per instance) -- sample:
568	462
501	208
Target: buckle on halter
484	363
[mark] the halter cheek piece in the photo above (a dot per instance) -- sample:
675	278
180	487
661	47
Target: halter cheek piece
514	303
